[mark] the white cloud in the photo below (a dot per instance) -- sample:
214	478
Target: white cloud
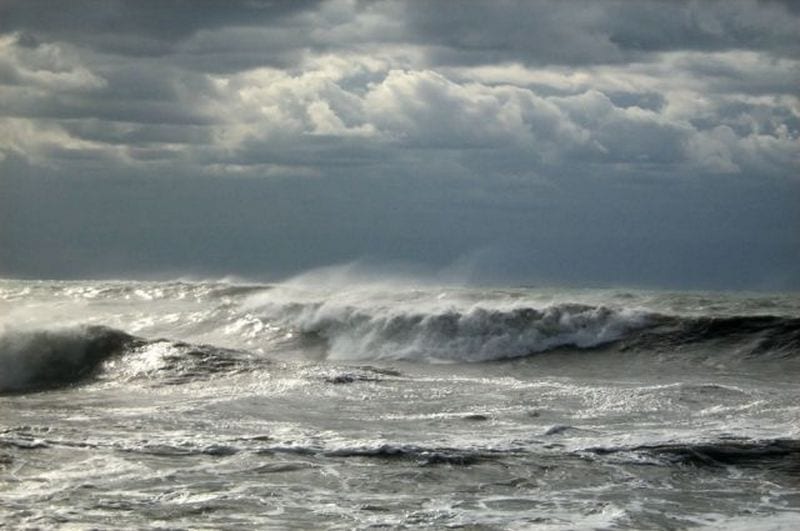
44	143
53	66
714	150
363	79
425	108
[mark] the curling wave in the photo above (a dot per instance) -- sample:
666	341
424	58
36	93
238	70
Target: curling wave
40	360
44	359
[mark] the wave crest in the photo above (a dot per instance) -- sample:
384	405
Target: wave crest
355	326
477	334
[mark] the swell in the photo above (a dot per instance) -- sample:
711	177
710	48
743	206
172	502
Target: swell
782	455
26	438
753	336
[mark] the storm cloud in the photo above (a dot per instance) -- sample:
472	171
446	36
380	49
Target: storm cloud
581	142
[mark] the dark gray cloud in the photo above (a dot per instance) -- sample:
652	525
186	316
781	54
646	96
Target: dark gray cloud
586	32
143	27
612	141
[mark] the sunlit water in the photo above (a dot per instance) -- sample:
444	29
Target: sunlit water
341	405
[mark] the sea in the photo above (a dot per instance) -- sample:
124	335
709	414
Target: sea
365	403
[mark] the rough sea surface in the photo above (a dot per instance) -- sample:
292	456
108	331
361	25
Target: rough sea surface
347	405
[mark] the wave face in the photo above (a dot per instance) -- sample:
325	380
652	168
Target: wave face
43	359
764	335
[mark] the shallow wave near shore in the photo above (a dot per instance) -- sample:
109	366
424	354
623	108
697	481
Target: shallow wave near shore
356	404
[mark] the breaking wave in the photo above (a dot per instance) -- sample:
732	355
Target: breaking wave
491	334
214	328
47	359
478	334
44	359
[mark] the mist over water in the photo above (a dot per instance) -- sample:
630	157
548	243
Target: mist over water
339	399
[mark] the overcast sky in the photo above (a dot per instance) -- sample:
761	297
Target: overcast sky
571	142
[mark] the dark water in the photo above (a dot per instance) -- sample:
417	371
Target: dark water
327	404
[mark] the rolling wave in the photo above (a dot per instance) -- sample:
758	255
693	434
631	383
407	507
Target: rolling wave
44	359
762	335
478	334
40	360
351	332
47	358
774	454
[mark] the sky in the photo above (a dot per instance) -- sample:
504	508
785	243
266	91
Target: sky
588	143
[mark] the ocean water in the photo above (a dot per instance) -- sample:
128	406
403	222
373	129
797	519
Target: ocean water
355	405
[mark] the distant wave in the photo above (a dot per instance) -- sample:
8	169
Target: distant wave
127	290
43	359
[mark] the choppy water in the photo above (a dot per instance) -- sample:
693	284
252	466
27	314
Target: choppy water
322	404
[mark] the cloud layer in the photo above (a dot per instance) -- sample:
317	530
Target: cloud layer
495	104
